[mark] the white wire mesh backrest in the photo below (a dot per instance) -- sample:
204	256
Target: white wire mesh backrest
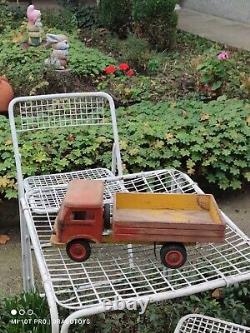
55	112
62	110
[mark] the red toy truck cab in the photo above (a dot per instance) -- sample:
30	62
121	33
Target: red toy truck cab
80	218
171	220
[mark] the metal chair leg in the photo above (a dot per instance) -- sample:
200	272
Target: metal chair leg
27	268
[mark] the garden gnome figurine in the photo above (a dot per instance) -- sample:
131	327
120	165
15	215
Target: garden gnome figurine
34	26
59	56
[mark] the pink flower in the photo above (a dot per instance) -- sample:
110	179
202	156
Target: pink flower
224	55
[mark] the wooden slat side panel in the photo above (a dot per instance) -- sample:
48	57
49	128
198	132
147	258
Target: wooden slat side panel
167	226
163	239
167	232
215	212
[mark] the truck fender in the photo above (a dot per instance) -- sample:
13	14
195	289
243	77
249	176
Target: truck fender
85	237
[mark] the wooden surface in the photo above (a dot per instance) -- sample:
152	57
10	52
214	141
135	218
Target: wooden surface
166	226
196	237
165	218
84	194
164	200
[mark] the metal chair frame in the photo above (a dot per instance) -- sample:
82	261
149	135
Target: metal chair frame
131	274
196	323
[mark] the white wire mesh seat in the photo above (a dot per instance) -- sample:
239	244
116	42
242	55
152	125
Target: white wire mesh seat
195	323
112	271
43	181
109	274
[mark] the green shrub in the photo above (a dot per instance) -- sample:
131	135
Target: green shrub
126	90
24	67
212	73
164	316
209	141
85	61
136	52
5	16
130	90
31	303
115	15
86	16
59	19
157	21
18	15
144	10
155	64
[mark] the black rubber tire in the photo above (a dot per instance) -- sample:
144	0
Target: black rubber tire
82	244
106	216
177	250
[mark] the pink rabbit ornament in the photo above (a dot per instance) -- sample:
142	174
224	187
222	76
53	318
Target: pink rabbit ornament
59	56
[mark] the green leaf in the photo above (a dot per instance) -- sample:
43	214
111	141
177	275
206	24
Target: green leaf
247	176
216	85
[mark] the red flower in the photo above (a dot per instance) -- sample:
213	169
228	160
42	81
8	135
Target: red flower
130	73
111	69
124	67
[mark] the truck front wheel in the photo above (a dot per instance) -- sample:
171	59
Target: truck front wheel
78	250
173	255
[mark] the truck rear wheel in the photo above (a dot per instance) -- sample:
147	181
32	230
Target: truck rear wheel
78	250
173	255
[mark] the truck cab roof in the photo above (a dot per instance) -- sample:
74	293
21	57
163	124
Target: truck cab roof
83	193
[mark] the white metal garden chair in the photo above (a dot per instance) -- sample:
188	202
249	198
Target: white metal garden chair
113	271
195	323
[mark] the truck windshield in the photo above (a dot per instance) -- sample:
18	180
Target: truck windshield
83	215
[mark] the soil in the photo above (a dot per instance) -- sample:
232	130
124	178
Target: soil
236	206
10	271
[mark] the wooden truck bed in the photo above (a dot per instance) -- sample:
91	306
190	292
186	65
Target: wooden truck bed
165	217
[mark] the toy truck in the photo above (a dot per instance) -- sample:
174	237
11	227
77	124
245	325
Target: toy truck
170	220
